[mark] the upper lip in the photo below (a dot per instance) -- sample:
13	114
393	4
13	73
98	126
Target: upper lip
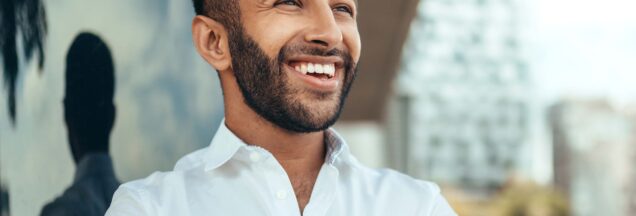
336	60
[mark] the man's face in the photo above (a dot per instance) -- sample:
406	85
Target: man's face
295	61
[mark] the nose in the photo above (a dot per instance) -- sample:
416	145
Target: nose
323	29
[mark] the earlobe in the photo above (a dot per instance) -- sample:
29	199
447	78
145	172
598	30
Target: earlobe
210	40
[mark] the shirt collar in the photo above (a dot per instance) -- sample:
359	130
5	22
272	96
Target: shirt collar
337	148
226	144
223	147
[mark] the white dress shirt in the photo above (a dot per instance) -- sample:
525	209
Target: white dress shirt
230	177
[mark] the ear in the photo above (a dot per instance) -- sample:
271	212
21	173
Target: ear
211	41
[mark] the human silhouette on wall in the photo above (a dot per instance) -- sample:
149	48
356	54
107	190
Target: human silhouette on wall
89	113
4	201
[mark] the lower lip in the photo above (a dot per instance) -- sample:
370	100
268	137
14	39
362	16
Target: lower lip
315	82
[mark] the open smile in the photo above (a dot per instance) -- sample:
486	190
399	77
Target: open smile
319	73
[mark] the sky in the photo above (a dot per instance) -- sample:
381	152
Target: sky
582	48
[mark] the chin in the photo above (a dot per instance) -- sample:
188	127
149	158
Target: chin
323	118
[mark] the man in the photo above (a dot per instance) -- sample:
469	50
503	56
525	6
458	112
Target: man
89	113
285	68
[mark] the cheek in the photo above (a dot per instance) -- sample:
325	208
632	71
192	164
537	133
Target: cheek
272	34
351	38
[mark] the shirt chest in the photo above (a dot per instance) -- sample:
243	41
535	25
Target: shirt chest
250	189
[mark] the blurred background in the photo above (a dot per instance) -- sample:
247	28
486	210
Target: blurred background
515	107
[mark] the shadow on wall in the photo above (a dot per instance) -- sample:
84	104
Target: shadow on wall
89	114
4	201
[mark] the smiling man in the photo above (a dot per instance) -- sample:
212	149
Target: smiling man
285	67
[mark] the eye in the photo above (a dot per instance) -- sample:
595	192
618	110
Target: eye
343	9
292	3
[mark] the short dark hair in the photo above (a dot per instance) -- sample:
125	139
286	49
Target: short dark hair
226	12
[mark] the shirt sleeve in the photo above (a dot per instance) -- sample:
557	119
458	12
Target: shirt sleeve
127	201
439	206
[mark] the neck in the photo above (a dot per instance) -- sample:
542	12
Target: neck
296	152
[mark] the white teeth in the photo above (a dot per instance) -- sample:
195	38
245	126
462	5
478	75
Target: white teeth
327	69
330	69
310	68
318	68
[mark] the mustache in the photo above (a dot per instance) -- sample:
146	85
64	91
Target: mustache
315	51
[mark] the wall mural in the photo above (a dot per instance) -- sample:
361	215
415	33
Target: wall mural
112	89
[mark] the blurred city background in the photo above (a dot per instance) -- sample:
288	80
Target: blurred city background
515	107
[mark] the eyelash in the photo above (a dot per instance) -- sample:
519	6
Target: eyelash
285	2
345	9
297	3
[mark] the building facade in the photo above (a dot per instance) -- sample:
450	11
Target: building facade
460	107
595	154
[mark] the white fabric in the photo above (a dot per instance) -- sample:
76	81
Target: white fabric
230	177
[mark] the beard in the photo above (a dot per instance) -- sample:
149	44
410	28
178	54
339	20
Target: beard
267	89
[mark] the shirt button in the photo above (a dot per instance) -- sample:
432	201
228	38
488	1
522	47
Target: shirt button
281	194
255	157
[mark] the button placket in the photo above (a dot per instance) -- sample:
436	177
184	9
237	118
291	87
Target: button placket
277	181
324	191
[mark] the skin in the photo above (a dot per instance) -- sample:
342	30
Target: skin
321	23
